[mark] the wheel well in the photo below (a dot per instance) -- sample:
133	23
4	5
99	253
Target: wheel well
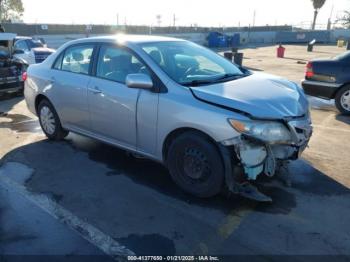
38	99
176	133
338	90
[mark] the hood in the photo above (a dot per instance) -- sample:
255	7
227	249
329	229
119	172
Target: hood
260	95
43	50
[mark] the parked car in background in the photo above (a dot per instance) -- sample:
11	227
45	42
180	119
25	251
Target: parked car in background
330	79
31	50
12	69
213	124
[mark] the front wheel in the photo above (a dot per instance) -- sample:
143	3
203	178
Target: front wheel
50	122
196	165
342	100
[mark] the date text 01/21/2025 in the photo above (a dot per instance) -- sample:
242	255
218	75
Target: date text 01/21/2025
173	258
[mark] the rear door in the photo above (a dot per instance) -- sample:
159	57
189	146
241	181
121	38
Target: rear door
70	78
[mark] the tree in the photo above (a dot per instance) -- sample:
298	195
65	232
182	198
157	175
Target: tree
11	9
345	19
317	6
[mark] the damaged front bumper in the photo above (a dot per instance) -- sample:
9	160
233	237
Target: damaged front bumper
257	157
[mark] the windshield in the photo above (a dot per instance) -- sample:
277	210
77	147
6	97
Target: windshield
34	44
191	64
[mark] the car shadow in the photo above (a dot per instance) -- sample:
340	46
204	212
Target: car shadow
78	155
8	101
17	122
343	118
299	60
135	201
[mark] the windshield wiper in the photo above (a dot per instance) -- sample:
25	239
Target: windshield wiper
209	81
199	82
229	76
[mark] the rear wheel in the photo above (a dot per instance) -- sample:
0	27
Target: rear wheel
49	121
342	100
196	165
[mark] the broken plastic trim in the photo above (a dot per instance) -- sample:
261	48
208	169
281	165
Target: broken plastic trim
244	189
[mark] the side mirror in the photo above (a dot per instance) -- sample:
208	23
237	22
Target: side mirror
18	51
142	81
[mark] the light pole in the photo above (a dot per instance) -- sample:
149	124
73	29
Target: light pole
0	11
159	20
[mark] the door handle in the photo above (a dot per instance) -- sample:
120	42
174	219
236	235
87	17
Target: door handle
95	90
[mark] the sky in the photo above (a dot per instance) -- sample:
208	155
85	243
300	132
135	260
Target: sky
222	13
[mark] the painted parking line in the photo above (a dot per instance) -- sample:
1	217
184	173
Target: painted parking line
92	234
233	221
226	228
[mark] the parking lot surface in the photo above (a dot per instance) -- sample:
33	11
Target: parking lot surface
133	204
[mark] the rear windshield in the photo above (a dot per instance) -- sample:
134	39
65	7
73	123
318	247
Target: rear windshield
35	44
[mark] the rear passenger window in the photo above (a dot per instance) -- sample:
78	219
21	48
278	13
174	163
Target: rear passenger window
116	63
77	59
58	62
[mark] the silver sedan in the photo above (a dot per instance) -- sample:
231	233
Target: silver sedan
214	125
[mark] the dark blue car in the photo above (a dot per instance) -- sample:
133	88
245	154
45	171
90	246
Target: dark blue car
330	79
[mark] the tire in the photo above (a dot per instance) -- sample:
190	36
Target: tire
50	122
195	165
342	100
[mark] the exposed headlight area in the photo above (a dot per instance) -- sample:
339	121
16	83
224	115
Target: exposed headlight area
264	144
267	131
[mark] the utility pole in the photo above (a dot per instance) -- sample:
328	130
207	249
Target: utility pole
159	20
254	16
329	24
174	20
0	11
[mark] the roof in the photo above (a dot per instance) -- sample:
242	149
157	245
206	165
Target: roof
130	38
22	37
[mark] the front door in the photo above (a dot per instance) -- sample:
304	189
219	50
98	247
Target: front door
113	106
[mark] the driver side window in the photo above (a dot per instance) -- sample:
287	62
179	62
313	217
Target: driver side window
116	63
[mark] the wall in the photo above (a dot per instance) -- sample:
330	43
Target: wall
56	41
59	29
340	34
56	35
303	37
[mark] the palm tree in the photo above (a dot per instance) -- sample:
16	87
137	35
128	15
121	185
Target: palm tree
317	6
345	19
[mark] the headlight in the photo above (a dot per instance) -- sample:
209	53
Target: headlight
271	132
